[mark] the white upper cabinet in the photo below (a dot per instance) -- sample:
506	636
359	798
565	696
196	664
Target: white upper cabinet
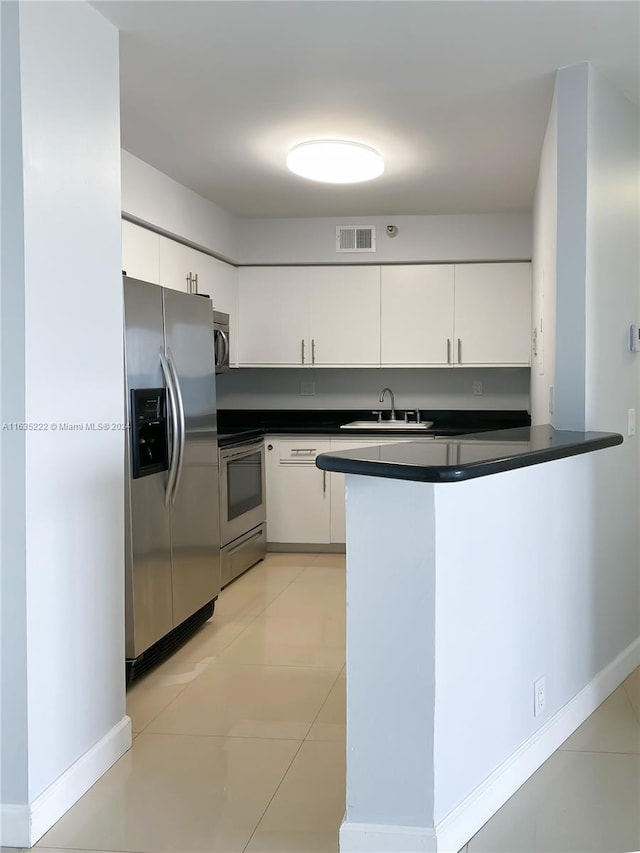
220	281
344	315
305	316
273	317
492	314
140	252
191	271
178	265
417	315
406	315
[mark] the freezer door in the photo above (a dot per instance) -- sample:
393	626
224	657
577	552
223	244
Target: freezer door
194	506
148	590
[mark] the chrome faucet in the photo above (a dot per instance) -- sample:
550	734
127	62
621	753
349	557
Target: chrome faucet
393	402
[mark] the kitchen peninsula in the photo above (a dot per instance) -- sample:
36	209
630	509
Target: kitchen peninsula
472	570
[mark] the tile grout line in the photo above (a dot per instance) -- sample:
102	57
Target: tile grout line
323	704
290	764
71	849
278	786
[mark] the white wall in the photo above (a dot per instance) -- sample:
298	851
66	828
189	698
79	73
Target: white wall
613	255
482	604
68	549
152	198
571	95
586	254
595	256
429	388
612	372
473	237
13	607
544	274
528	602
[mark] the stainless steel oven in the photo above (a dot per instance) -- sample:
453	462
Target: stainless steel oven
242	507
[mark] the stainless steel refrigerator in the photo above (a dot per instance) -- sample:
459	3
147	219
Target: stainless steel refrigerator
172	560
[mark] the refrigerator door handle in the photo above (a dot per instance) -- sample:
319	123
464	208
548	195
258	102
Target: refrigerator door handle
175	436
181	422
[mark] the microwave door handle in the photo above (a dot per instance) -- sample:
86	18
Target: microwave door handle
175	438
225	351
181	424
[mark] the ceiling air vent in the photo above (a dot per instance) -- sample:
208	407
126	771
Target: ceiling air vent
355	238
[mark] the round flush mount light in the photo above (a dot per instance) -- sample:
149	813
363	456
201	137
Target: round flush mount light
335	162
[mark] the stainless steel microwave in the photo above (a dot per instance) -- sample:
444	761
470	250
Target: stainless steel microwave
221	340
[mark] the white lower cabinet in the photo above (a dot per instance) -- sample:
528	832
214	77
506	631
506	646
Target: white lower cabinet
304	504
298	499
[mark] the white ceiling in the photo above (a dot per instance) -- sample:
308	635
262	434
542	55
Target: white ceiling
455	95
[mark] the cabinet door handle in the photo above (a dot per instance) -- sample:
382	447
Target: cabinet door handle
189	283
303	449
302	344
195	283
448	350
324	482
313	350
459	350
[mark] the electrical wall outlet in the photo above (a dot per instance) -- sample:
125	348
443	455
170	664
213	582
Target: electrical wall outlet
631	422
539	697
307	389
477	386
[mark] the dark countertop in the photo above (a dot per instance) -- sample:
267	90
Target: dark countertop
451	460
328	421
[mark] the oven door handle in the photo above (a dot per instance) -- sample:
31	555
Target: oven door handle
175	437
233	453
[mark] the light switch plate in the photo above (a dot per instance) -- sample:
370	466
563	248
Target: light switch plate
307	389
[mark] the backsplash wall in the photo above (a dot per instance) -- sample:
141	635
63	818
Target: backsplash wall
343	388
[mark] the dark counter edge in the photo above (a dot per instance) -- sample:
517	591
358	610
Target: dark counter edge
328	421
340	463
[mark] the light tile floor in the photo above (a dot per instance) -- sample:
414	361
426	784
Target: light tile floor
240	741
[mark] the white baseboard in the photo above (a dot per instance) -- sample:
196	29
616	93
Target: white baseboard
375	838
460	825
24	825
452	833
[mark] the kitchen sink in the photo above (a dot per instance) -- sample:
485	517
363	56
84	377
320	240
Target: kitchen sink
388	425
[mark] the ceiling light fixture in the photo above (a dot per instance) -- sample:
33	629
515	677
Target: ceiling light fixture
335	162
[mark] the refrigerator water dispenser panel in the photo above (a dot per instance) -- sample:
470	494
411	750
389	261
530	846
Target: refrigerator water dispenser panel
149	444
